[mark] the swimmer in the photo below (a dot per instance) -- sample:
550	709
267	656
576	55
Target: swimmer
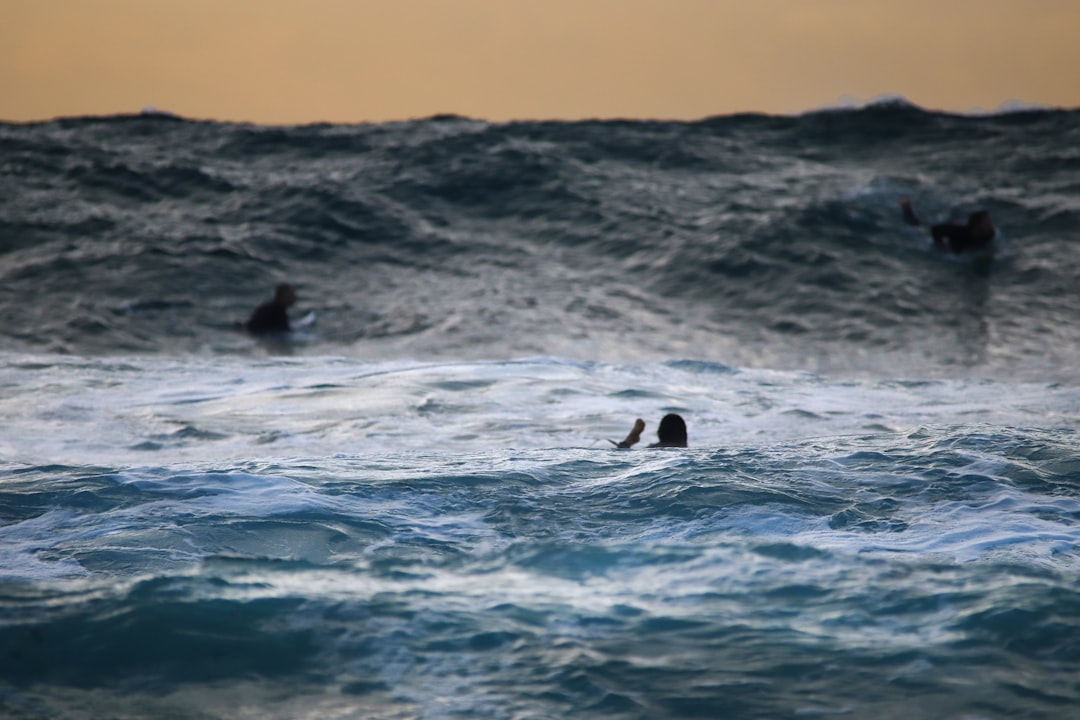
977	234
672	433
273	316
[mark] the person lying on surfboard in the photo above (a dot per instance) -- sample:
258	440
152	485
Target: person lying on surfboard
671	433
273	316
977	234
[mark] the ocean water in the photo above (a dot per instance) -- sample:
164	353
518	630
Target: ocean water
411	508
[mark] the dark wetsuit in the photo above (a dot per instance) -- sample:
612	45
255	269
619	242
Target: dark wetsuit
270	317
958	238
976	234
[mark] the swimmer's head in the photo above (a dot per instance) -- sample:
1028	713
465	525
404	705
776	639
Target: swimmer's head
672	431
979	224
285	294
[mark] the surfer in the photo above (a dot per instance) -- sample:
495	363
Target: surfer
273	316
671	433
977	234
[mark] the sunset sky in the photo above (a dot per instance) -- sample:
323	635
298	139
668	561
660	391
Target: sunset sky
297	61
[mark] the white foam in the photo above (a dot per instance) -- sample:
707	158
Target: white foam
153	411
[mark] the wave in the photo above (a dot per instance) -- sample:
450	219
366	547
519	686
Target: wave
1005	107
936	562
747	239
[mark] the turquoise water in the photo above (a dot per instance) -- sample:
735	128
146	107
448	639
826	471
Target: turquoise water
411	509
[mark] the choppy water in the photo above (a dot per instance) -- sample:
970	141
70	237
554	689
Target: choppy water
412	510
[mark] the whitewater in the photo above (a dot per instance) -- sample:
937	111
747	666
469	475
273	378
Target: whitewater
413	507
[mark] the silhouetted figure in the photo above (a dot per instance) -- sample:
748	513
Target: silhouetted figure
672	433
273	316
977	234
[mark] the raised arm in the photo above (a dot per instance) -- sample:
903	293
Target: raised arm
634	436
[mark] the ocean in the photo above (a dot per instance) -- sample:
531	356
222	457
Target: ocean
412	507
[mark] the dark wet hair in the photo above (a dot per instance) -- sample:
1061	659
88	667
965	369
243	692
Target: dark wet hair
284	294
672	431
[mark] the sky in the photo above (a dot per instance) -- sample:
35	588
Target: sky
302	61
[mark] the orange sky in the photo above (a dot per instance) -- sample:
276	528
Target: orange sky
294	61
